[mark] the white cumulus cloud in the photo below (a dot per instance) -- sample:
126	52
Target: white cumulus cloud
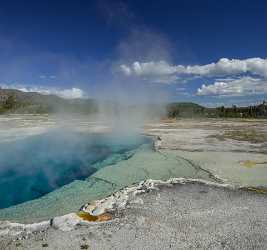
243	86
224	67
159	71
71	93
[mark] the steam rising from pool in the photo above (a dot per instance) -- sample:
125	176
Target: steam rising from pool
37	165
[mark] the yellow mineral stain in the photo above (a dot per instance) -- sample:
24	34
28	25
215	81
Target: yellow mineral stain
248	164
257	190
89	217
251	164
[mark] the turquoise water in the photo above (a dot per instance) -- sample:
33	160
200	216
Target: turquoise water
56	173
37	165
123	170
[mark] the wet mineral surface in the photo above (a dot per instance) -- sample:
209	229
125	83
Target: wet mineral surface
189	216
186	216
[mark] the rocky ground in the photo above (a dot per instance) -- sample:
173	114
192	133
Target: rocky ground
189	216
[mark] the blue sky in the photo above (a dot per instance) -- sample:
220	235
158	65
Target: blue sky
210	52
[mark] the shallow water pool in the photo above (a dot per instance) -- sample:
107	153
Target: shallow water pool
34	166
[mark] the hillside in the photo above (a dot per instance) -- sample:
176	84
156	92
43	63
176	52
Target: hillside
15	101
184	109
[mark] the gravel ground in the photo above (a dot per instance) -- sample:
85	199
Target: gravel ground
189	216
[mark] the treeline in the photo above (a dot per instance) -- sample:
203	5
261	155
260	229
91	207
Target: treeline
192	110
256	111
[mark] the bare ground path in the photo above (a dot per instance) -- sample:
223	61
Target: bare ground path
190	216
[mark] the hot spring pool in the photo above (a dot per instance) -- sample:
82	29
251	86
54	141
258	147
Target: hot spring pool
37	165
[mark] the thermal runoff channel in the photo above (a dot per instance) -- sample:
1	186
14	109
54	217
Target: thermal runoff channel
37	165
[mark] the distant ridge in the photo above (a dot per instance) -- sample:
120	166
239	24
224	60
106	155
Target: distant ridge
16	101
184	109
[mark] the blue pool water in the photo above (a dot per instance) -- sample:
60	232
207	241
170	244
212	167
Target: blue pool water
37	165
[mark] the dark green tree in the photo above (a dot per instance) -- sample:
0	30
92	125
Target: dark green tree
10	102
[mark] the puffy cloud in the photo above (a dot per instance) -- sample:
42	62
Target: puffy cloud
148	68
239	87
126	70
159	71
72	93
224	67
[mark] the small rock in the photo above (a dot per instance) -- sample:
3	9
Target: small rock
84	246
